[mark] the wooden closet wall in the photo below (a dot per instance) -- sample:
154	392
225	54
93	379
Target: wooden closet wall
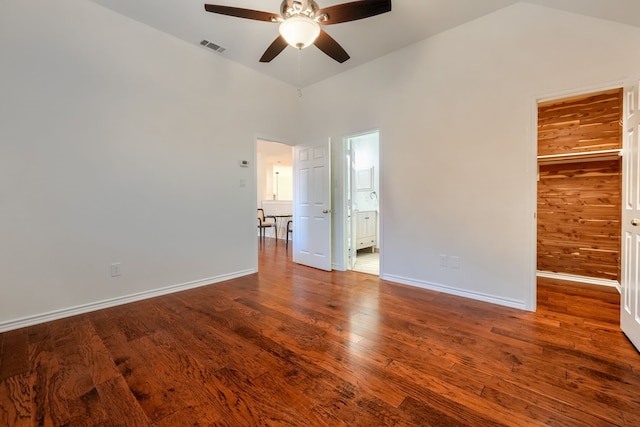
580	196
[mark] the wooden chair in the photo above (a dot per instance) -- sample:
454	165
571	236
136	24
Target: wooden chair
289	231
264	224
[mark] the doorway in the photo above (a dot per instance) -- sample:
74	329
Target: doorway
579	191
363	208
274	174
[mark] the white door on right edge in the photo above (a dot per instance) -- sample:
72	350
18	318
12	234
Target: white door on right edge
629	301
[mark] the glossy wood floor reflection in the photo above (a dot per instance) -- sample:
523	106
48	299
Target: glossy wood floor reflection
292	346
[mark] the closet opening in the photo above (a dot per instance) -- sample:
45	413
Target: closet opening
579	188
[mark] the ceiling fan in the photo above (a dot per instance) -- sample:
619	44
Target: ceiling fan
300	22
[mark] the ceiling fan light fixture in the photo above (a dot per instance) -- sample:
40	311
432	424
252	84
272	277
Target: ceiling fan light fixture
299	31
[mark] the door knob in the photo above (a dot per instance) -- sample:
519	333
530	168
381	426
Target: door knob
635	222
326	211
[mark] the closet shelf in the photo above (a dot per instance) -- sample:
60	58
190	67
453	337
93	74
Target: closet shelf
589	156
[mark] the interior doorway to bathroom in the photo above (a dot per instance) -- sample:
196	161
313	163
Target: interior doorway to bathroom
363	207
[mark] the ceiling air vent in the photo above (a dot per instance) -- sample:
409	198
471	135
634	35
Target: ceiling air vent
212	46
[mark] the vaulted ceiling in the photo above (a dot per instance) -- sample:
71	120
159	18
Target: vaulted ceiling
365	40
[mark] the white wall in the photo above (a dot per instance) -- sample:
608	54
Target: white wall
456	114
283	182
121	144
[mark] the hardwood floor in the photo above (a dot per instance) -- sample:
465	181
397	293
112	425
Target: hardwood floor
293	346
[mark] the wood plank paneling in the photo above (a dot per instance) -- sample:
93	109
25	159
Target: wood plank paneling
579	209
581	124
580	200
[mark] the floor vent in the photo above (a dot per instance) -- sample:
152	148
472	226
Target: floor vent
212	46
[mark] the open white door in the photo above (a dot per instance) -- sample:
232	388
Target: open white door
312	205
629	302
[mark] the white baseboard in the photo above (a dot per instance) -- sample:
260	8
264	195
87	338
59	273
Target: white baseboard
458	292
581	279
112	302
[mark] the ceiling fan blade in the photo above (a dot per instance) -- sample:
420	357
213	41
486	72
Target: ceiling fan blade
241	13
274	49
328	45
355	10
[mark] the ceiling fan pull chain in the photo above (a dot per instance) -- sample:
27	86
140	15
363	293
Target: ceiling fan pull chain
300	73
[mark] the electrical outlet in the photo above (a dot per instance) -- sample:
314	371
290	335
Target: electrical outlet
116	269
443	260
455	262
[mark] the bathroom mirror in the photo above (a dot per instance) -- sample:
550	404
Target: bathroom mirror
364	179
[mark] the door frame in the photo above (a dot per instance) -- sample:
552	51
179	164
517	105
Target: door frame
533	285
348	176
